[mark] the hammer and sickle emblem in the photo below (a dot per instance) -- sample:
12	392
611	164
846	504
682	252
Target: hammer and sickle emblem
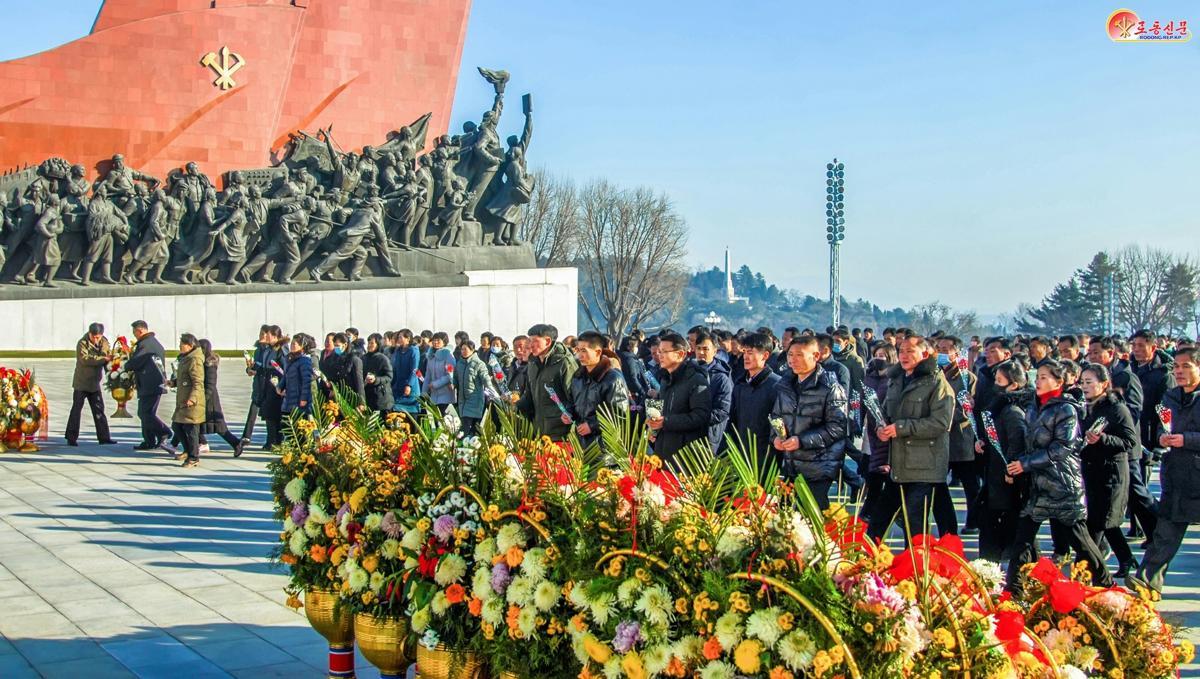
224	64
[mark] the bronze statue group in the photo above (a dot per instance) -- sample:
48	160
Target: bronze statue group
321	213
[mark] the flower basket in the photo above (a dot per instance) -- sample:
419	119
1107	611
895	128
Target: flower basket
336	625
447	663
384	643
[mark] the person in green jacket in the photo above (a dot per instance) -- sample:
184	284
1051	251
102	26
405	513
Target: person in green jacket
550	364
471	379
189	398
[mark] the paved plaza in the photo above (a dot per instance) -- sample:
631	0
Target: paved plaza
115	563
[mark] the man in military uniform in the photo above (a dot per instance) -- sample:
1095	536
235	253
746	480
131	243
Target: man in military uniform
120	180
364	224
104	224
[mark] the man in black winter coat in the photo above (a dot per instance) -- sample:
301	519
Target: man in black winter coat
377	376
687	406
720	386
812	405
596	388
754	397
1154	369
148	362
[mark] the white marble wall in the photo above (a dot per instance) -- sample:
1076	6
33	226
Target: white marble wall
504	302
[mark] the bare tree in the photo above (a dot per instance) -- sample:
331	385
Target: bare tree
927	318
631	249
551	222
1154	288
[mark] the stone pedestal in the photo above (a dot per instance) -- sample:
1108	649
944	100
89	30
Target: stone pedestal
505	302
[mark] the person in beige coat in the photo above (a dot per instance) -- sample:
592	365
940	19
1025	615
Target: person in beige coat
91	360
189	398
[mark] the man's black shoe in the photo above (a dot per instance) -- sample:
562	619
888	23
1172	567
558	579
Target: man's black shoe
239	448
145	446
73	443
108	442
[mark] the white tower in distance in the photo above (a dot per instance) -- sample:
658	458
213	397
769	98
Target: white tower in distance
730	294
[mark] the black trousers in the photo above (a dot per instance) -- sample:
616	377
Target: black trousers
1025	546
1142	506
469	425
191	440
872	491
274	432
1168	536
944	514
96	401
820	491
153	428
915	499
997	530
251	420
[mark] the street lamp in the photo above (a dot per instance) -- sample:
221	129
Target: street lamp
835	231
712	319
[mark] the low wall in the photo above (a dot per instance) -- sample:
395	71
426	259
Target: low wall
505	302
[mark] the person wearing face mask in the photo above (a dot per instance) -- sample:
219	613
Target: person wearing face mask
963	466
1180	473
1002	497
1056	487
344	369
1109	435
876	378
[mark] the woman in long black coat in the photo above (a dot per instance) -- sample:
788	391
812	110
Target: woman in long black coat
1003	497
1106	462
214	417
377	376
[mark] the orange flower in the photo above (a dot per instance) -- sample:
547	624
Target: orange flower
317	553
511	618
675	668
514	556
330	530
712	649
455	594
779	673
288	559
475	606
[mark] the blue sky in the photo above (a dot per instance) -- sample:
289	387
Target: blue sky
991	148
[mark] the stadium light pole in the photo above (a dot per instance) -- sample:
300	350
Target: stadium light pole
835	232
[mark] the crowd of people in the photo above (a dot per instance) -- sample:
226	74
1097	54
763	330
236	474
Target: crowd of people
1035	430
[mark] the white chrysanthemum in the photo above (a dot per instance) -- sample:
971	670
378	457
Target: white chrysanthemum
312	529
1085	656
390	548
601	607
578	597
802	536
317	513
481	584
650	494
627	591
612	668
412	540
372	522
520	591
655	604
298	543
764	625
294	490
484	551
533	566
717	670
797	650
493	611
1071	672
527	621
729	629
289	525
732	541
359	579
1059	640
655	659
420	620
450	569
546	595
577	646
377	579
440	604
689	648
911	640
509	535
990	573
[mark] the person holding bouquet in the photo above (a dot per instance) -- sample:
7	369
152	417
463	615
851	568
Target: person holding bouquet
91	357
1180	474
439	372
596	386
471	379
1110	437
296	385
1003	497
377	375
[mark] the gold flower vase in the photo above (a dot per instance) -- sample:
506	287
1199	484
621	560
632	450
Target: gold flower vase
448	663
337	626
384	643
121	396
